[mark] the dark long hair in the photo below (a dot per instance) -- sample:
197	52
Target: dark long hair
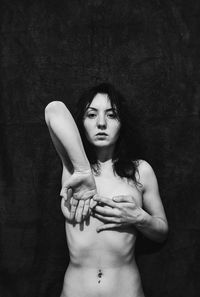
127	149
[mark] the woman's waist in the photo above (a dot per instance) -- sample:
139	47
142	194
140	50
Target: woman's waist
103	280
101	257
104	271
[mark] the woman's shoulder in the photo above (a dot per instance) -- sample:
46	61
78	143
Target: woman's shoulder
144	170
143	165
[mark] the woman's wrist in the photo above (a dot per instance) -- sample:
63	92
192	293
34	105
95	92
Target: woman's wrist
143	219
84	170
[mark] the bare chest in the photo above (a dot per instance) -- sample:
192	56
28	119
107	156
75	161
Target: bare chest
116	186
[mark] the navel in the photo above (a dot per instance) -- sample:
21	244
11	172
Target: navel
99	275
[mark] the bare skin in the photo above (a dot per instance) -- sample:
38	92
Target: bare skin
68	144
102	246
102	263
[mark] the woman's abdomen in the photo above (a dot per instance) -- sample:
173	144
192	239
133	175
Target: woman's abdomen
110	248
99	282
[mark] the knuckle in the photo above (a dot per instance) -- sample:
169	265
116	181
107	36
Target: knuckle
75	196
74	204
119	206
134	205
87	203
119	212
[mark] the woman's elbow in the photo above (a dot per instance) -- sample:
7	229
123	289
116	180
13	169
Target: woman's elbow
163	234
54	106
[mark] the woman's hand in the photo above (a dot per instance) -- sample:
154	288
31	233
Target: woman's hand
116	212
65	205
83	188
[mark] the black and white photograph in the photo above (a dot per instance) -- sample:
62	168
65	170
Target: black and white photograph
99	148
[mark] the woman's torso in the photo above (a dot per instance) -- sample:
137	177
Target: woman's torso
103	264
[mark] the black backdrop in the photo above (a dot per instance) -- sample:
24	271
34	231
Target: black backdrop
52	50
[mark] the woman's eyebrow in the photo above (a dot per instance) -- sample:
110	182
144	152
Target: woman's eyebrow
95	109
92	108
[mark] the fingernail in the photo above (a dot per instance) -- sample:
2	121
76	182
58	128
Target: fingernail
95	197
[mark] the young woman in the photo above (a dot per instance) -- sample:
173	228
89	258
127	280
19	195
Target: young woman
107	195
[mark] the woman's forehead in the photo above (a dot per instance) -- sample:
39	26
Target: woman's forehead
101	101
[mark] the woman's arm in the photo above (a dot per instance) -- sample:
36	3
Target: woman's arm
153	222
76	167
66	136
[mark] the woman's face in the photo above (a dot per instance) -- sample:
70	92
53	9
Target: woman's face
101	125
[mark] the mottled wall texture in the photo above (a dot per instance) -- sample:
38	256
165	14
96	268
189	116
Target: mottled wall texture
53	50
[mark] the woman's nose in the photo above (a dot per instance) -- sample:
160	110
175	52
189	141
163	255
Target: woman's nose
101	122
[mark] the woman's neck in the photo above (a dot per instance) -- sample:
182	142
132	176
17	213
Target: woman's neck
105	163
104	155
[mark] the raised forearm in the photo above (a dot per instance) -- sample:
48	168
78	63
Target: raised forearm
154	228
64	129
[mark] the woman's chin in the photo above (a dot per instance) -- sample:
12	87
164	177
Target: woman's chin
101	144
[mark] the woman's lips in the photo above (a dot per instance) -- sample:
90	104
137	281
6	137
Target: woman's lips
101	134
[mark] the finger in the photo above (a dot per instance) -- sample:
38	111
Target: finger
74	204
92	203
84	195
86	208
88	194
79	211
63	193
69	194
66	192
73	201
66	203
108	226
65	207
88	197
106	211
65	187
86	202
104	200
107	219
123	198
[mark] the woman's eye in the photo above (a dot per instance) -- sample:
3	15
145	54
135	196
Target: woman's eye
111	115
91	115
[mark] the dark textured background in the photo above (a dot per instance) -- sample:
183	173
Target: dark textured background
53	50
